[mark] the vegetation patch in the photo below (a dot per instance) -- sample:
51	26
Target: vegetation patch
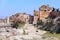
18	24
48	34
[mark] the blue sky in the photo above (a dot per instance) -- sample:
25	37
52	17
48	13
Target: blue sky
10	7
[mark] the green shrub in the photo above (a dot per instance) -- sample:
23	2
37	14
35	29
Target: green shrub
18	24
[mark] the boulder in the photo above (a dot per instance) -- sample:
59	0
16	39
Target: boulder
3	38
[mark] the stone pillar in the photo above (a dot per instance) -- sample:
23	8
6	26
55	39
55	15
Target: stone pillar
7	20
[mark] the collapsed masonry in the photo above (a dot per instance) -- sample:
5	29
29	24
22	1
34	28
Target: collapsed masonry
5	22
41	15
21	17
48	18
44	12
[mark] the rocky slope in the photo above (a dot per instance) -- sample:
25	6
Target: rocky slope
26	33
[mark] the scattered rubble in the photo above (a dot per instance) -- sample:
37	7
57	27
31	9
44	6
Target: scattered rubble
27	33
